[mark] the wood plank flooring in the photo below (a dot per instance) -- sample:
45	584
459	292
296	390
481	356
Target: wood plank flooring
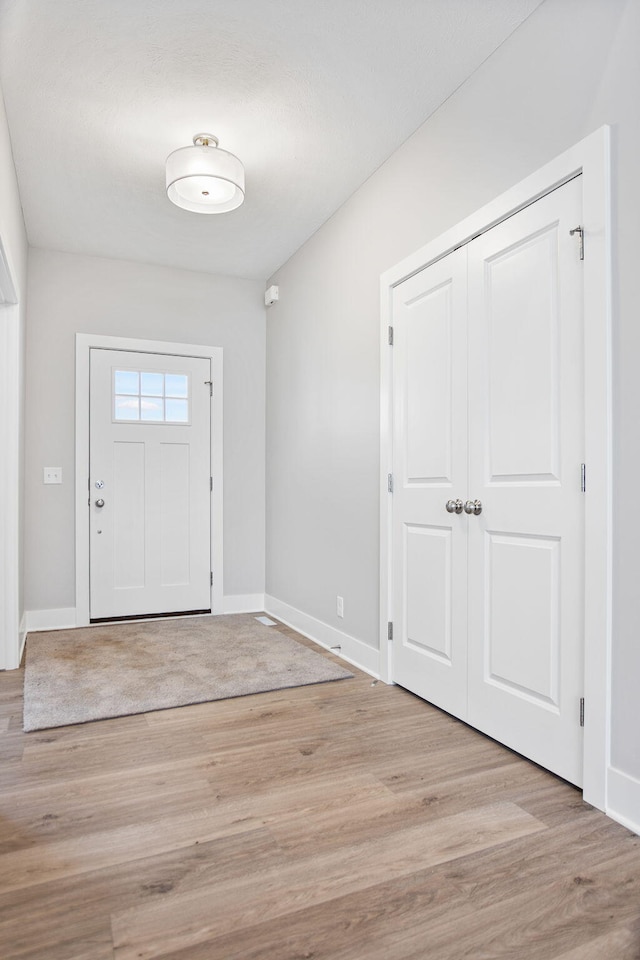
343	821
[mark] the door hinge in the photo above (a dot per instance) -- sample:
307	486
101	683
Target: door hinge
583	478
582	711
580	231
390	630
390	336
211	484
389	483
209	383
211	579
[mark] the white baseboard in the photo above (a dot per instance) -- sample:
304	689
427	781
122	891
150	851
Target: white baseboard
58	619
354	651
623	799
244	603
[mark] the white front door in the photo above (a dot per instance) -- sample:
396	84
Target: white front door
488	407
149	484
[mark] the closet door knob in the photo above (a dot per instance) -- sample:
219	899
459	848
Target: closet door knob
453	506
473	507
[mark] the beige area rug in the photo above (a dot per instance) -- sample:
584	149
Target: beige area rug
113	670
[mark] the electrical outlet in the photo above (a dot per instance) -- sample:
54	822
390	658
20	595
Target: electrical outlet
340	606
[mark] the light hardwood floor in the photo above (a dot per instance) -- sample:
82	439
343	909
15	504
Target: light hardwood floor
342	821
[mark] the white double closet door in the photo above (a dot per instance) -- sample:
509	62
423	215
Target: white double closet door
489	407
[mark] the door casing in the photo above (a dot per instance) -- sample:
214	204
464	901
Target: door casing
84	343
12	633
591	158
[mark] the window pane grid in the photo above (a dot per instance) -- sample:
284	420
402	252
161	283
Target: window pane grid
151	397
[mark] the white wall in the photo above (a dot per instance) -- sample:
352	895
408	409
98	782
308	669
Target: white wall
69	294
12	228
12	337
570	68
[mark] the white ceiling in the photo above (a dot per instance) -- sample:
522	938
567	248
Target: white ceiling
312	95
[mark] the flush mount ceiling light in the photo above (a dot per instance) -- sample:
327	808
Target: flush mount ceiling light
203	178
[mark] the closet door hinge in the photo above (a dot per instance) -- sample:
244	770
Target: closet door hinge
211	579
211	484
580	231
390	630
583	478
582	711
390	336
389	483
209	383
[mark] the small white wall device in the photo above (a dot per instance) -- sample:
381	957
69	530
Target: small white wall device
52	475
271	295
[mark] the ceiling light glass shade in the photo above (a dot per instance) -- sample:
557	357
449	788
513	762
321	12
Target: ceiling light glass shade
203	178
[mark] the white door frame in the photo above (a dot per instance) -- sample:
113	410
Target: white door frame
11	636
591	158
84	343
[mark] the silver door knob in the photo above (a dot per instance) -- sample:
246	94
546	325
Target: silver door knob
453	506
100	502
473	506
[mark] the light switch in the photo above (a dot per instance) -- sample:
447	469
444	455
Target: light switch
53	475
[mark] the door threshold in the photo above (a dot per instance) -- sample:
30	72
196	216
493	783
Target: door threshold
150	616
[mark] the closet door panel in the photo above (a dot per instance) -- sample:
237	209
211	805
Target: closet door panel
523	362
430	468
526	445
